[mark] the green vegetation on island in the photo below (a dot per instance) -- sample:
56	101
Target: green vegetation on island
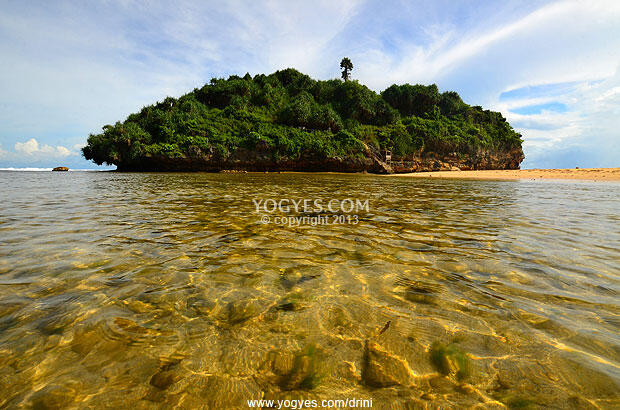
288	116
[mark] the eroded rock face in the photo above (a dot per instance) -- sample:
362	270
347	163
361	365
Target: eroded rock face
482	159
258	161
253	163
60	169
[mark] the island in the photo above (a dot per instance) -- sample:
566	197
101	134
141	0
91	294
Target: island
287	121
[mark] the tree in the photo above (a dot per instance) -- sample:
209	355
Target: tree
346	66
450	103
298	112
412	99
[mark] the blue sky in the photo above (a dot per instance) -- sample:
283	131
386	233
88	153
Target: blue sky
70	67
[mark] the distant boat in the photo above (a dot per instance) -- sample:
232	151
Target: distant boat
60	169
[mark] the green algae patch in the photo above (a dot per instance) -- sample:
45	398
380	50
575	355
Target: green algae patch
450	360
513	401
305	373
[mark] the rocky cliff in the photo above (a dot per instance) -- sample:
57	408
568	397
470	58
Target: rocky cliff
261	160
481	159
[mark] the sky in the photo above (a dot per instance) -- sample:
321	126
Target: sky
552	68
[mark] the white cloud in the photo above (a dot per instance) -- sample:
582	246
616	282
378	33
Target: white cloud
32	148
64	152
558	42
106	60
585	135
29	147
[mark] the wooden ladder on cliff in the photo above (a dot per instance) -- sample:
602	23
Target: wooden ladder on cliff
388	157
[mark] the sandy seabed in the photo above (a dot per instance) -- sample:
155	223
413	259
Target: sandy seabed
591	174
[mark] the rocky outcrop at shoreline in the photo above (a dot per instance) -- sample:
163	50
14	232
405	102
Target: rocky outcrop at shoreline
480	160
372	162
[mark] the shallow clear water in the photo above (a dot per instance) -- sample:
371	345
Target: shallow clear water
148	290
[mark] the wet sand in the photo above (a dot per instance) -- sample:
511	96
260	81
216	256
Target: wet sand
591	174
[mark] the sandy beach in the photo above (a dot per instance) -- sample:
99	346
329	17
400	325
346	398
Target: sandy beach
590	174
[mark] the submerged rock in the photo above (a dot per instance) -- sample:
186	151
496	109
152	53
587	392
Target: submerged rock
381	369
218	392
53	397
129	327
296	276
240	311
338	320
421	292
202	306
304	373
291	303
138	306
164	379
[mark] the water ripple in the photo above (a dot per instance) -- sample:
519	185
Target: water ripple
134	289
